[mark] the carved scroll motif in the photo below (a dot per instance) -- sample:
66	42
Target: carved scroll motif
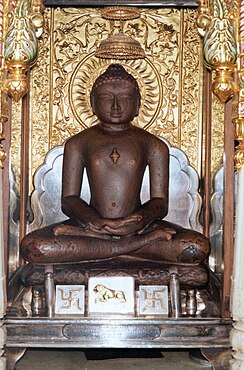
67	68
3	101
190	119
217	135
237	294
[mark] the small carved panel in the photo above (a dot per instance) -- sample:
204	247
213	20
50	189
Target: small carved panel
153	300
111	295
70	299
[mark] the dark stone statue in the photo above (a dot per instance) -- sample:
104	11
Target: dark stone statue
115	154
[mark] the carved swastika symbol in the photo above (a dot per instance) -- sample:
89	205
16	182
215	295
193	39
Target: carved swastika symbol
70	299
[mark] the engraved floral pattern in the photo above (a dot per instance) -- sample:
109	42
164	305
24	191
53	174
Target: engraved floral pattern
67	68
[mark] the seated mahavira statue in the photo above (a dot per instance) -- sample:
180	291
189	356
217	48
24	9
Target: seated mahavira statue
115	154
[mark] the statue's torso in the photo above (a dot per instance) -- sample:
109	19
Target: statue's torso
115	164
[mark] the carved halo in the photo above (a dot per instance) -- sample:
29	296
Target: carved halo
90	67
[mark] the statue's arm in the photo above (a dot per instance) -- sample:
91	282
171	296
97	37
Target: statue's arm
158	161
73	168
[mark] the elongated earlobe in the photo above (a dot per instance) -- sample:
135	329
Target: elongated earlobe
92	104
138	105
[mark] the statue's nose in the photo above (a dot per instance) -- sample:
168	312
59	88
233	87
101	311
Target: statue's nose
115	105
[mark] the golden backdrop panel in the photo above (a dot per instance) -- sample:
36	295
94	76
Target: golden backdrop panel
170	77
16	140
217	134
77	35
41	106
190	112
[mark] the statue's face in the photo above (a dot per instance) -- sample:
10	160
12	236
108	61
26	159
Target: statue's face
115	102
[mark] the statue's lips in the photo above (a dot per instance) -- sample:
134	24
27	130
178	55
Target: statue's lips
115	115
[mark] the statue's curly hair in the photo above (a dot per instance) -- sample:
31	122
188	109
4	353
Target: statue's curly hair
115	72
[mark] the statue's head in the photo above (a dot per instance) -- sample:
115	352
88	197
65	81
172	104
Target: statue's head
115	96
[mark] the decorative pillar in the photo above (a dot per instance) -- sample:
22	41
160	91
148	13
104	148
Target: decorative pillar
3	298
21	45
3	111
217	25
215	21
222	26
237	302
3	120
20	26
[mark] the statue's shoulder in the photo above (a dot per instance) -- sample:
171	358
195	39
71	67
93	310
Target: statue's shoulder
152	141
81	137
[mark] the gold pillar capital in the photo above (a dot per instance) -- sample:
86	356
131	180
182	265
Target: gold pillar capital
223	85
16	85
219	44
21	45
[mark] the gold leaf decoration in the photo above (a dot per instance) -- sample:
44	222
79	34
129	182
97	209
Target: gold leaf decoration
217	145
84	76
169	78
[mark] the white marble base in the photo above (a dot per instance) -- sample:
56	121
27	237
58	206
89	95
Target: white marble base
111	295
153	300
70	299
